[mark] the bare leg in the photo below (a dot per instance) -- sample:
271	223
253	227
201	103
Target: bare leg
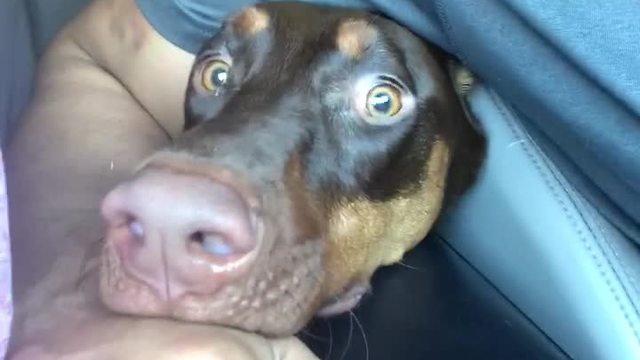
85	131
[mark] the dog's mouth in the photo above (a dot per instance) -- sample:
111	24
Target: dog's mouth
345	301
277	298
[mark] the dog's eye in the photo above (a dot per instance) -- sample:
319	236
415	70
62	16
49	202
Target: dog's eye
215	75
383	101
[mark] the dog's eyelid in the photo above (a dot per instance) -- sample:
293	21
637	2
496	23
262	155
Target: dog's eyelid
392	80
403	86
219	53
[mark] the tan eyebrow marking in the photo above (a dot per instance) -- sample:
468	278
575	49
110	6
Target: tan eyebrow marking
251	21
355	36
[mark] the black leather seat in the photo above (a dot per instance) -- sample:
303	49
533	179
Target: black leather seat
434	305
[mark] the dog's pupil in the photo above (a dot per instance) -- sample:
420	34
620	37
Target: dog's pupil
381	102
219	76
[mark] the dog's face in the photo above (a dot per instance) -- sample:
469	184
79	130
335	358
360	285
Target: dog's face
336	130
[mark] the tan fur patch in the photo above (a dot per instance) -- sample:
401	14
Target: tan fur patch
355	37
364	235
250	21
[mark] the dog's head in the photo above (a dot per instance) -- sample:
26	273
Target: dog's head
318	147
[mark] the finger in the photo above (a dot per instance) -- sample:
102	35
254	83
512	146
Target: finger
291	349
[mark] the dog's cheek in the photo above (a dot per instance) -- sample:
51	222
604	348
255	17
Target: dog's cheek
308	220
365	235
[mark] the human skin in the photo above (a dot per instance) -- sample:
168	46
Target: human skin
109	91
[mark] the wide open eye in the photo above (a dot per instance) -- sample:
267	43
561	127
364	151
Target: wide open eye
384	101
215	75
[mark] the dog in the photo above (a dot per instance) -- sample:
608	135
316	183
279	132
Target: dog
320	144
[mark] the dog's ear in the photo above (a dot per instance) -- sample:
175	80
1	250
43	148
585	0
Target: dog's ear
470	147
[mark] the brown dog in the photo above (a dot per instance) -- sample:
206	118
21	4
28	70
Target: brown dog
321	144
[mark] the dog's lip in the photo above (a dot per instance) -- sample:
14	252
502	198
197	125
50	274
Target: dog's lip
345	301
190	165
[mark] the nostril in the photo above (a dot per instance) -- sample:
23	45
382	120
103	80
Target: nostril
136	228
213	243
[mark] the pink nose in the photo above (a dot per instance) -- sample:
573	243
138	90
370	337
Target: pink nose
180	234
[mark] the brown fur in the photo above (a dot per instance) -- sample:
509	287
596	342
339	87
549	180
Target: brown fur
307	212
365	234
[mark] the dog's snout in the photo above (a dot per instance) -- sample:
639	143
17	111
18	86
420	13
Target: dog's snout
181	233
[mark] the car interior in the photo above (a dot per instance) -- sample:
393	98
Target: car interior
523	267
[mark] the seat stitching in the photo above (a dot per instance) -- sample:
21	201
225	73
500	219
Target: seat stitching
529	151
623	264
577	199
574	197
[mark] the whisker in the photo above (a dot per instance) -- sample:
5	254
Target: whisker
308	333
517	142
346	347
410	266
330	339
364	335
